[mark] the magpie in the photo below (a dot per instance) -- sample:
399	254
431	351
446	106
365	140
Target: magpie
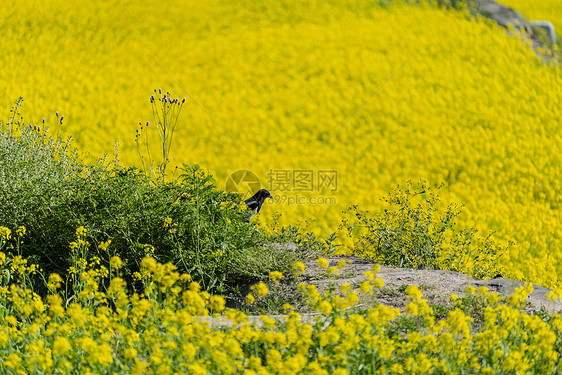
255	202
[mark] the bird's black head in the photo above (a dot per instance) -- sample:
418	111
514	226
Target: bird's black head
264	194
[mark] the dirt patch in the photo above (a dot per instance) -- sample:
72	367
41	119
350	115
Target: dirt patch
436	285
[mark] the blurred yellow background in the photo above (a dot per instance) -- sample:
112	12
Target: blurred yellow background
378	95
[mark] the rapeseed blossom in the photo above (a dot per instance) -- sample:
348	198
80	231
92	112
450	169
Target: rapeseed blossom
260	289
99	339
460	121
322	262
468	108
5	234
299	267
275	276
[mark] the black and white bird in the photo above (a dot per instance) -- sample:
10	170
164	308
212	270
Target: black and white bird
255	202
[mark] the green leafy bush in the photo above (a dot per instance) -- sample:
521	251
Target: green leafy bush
416	231
187	221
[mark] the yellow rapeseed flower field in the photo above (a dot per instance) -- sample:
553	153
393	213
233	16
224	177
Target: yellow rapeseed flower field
328	103
171	326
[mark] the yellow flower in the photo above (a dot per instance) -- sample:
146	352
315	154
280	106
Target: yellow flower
378	283
104	245
81	232
61	346
260	289
148	249
345	288
167	222
54	281
5	234
287	307
12	361
299	267
140	367
250	298
74	246
194	286
130	353
275	275
274	359
325	307
11	320
217	303
55	305
323	262
470	290
115	262
413	292
21	231
369	275
365	287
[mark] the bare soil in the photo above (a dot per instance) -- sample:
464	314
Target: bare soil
436	285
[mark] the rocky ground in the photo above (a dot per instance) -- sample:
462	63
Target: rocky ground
505	16
436	285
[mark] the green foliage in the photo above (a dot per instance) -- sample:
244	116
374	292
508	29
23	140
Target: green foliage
417	231
33	169
187	221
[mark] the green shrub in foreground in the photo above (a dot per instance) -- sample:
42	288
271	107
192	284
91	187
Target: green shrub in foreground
416	230
188	222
